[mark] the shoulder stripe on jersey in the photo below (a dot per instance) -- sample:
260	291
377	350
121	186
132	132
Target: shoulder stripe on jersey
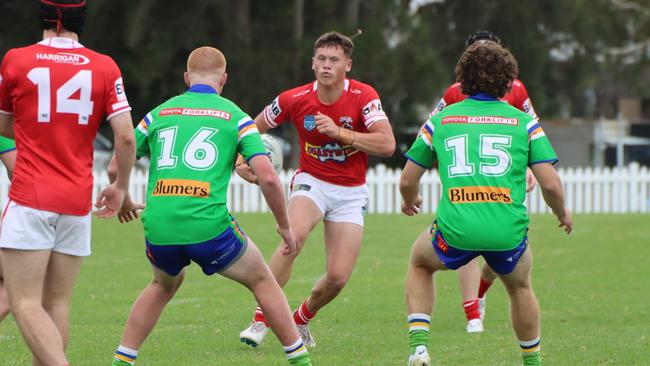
142	127
532	126
246	127
148	119
426	133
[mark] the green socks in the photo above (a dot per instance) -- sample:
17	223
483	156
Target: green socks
418	330
530	352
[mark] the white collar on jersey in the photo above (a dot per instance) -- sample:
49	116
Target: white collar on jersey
60	42
346	85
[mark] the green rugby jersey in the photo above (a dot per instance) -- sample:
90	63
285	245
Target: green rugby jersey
192	140
6	145
483	147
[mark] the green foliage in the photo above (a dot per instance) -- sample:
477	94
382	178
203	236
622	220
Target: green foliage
589	285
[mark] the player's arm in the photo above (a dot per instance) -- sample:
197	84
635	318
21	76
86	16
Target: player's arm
242	168
274	195
378	141
9	160
409	187
111	199
551	185
7	125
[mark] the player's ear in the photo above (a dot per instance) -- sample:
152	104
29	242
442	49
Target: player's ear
224	79
313	60
186	78
348	65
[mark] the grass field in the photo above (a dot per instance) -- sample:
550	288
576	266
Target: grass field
592	287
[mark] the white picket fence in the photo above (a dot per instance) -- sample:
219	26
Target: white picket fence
587	190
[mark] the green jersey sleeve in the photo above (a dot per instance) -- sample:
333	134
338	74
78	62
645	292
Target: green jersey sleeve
541	150
422	152
6	145
141	136
249	142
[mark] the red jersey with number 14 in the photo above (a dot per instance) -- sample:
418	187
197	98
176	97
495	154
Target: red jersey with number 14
358	108
59	92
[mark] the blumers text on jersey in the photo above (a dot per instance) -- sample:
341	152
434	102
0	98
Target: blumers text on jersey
58	92
483	147
358	108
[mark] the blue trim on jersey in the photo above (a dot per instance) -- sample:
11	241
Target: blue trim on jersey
146	119
6	151
429	130
416	163
246	124
202	88
533	128
552	161
254	155
483	97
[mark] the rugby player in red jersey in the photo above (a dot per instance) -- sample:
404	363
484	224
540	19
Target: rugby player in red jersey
55	94
340	122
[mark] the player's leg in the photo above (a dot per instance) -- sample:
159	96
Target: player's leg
57	290
487	279
304	214
524	308
251	271
167	263
27	238
469	276
24	272
145	312
420	296
4	301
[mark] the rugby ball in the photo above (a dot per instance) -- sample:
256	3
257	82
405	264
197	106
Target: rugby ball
274	151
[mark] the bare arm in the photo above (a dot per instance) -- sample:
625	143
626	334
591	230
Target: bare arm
241	167
553	193
7	125
110	200
409	187
378	141
274	195
9	160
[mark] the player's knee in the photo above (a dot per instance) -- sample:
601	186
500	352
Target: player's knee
336	282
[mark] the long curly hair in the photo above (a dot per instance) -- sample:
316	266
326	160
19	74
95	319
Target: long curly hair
486	67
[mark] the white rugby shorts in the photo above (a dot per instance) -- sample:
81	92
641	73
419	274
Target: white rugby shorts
28	228
337	203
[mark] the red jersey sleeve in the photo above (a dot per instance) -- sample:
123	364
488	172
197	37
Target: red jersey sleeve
522	100
371	109
278	111
115	97
6	104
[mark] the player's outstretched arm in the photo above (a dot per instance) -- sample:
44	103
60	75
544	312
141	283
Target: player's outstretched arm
241	167
274	195
551	185
110	200
409	187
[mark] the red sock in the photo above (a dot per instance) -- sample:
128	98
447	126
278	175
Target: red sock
471	309
259	316
483	287
302	315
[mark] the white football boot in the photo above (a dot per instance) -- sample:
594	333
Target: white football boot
420	357
305	334
481	306
475	326
254	334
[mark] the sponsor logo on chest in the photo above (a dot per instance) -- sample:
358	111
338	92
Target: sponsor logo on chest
331	151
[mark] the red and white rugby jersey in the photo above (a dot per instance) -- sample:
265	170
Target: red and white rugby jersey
58	92
357	109
516	97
